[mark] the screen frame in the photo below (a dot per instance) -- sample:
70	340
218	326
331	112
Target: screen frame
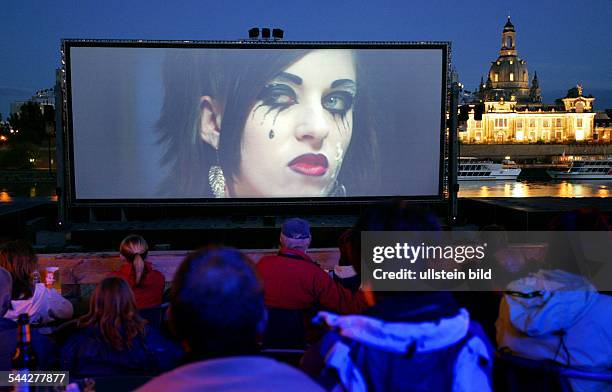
67	128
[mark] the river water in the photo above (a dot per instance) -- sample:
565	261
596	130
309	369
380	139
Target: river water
46	191
529	188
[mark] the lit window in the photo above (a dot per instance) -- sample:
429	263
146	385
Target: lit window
501	123
519	124
511	76
559	124
478	124
578	123
532	123
497	77
546	124
511	62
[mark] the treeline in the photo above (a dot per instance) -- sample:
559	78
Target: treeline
22	135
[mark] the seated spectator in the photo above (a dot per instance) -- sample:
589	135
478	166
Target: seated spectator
347	272
408	341
112	339
556	315
295	288
146	283
45	350
217	311
292	280
42	304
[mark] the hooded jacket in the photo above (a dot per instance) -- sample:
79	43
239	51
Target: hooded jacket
559	316
380	351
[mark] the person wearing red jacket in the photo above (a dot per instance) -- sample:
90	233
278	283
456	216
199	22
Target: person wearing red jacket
293	281
146	282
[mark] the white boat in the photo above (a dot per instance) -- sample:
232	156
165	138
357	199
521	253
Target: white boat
473	169
585	169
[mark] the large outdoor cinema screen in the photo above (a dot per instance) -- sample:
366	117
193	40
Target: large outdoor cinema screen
167	121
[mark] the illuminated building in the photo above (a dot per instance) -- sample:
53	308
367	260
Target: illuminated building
513	111
603	127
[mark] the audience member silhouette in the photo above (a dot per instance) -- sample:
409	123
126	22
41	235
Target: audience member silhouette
217	312
112	339
42	304
44	347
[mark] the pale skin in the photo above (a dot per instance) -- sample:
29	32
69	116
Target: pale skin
297	132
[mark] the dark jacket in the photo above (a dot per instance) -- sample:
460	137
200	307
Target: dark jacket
85	353
45	349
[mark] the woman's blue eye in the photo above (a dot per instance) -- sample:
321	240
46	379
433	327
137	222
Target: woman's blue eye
338	102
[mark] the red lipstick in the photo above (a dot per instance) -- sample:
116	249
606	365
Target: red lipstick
310	165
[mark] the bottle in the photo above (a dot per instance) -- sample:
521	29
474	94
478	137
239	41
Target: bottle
24	358
35	277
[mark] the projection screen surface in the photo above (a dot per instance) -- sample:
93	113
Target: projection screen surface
204	121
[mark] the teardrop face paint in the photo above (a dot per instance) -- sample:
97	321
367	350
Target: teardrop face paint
298	131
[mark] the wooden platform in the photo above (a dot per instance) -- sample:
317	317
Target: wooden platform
91	268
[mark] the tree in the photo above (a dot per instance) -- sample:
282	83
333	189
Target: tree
28	124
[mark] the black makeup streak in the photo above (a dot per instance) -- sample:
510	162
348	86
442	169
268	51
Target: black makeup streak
278	96
279	112
255	109
335	118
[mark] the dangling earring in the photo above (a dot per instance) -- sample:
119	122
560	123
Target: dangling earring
271	134
216	180
339	190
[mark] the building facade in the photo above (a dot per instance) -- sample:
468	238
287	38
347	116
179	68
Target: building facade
512	108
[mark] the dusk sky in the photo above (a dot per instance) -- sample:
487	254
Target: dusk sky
566	42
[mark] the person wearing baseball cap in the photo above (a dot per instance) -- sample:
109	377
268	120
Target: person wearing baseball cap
294	282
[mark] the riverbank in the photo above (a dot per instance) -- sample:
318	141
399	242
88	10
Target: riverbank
20	176
529	152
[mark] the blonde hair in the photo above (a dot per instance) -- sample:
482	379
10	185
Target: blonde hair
134	248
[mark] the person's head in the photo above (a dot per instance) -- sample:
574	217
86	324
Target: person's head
278	122
134	249
112	309
217	307
6	285
349	254
295	234
19	259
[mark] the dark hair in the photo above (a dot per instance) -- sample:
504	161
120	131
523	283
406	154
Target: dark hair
6	285
235	78
112	309
18	258
217	304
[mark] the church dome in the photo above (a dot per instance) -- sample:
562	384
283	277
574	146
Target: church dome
509	72
508	75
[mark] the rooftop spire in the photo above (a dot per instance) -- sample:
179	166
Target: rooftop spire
508	26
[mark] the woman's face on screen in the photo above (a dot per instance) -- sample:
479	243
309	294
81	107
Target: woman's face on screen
296	135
